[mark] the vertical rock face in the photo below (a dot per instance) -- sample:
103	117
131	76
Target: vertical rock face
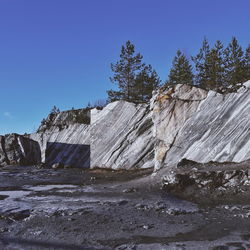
171	109
19	150
118	137
121	136
201	126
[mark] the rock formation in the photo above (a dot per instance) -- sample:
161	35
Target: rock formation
203	142
118	137
181	122
19	150
171	109
210	181
201	126
62	120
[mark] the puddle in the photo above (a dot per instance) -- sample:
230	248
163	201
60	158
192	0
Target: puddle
85	189
49	187
14	194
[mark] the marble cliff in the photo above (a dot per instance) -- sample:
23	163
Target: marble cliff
182	122
191	123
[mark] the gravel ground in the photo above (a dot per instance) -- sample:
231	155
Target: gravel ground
100	209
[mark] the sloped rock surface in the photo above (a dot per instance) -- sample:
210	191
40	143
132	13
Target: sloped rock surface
119	137
171	109
18	150
201	126
122	136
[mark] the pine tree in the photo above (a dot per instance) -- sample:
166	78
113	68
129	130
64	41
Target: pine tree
247	58
125	71
235	63
135	80
55	110
181	71
215	67
146	81
201	64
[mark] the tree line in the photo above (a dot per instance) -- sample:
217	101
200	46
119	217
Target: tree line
216	68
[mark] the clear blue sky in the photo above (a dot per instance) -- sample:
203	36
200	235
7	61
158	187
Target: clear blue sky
58	52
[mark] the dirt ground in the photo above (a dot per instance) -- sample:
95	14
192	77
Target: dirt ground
100	209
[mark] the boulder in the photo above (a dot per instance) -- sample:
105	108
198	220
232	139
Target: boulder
18	150
57	165
209	181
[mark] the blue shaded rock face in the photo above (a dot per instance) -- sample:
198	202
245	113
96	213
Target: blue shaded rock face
19	150
67	155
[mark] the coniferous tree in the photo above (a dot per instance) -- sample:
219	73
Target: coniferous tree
55	110
247	58
181	71
125	71
235	63
146	81
215	67
201	64
135	80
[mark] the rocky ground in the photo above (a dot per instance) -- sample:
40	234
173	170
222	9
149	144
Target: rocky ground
209	183
99	209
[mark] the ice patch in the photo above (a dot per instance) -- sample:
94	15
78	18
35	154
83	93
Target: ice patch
49	187
15	194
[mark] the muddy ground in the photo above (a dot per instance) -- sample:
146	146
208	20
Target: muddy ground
99	209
